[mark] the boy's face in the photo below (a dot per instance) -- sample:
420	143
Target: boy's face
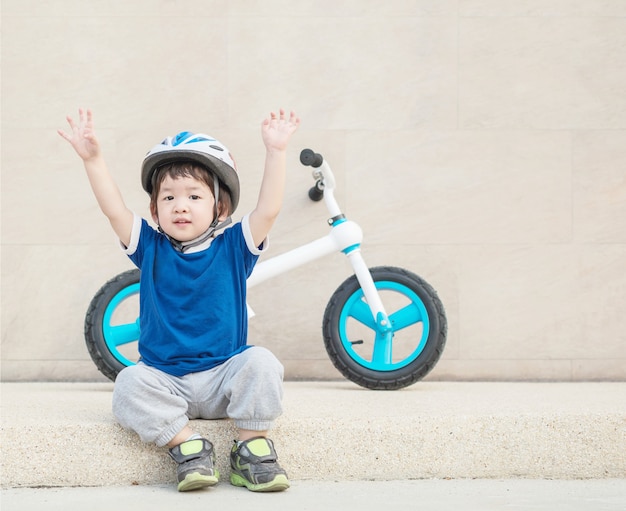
185	207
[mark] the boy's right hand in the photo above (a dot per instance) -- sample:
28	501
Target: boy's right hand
82	138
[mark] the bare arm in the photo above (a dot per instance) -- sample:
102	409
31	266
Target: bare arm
110	200
276	132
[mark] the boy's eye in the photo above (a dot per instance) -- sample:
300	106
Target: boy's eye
168	197
194	197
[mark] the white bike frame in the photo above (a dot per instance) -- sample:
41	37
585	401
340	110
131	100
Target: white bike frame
345	236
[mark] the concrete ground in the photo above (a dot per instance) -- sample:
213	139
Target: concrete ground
336	431
435	445
431	495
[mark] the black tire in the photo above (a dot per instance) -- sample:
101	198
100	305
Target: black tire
418	322
111	324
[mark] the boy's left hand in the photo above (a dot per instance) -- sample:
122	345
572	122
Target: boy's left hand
277	130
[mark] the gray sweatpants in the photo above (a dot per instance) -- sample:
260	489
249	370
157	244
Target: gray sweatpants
157	406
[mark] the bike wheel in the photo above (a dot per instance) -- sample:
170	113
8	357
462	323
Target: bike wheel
418	324
112	324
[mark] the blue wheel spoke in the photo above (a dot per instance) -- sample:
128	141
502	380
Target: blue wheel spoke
122	334
382	354
405	317
362	313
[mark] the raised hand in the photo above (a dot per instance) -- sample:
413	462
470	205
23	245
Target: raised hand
276	130
82	137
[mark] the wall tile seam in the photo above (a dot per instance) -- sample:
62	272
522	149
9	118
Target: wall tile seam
520	245
366	244
232	17
470	129
467	15
547	360
376	16
326	359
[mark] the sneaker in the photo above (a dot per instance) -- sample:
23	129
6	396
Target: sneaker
196	460
254	465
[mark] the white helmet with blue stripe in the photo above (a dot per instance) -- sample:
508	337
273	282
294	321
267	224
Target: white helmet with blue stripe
198	148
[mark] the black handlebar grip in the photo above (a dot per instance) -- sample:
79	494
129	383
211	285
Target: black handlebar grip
311	158
316	192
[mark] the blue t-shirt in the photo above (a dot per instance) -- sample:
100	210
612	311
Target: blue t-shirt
193	313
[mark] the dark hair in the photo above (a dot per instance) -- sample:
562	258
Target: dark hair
179	169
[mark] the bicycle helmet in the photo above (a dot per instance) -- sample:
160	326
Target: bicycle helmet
199	148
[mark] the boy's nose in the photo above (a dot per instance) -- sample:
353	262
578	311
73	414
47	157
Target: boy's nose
180	207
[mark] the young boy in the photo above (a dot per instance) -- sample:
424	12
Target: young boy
195	361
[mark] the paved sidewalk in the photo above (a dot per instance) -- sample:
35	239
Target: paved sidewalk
427	495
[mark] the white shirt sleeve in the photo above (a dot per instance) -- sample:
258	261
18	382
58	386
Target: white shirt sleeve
134	236
247	234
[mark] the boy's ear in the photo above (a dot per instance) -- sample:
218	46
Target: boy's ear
222	212
153	212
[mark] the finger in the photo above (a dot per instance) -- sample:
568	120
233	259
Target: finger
294	121
70	121
282	114
64	135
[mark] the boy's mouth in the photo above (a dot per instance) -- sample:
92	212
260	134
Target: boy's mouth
180	221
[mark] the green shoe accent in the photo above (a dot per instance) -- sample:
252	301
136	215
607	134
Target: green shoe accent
259	447
279	483
191	447
197	481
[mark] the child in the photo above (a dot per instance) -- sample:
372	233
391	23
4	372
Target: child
195	361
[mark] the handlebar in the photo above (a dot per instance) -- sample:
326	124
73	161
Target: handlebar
316	193
310	158
324	180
